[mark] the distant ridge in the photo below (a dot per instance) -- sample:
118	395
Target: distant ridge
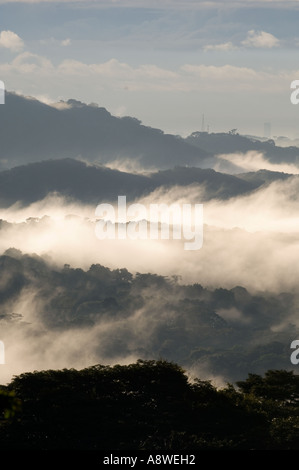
90	184
231	142
32	131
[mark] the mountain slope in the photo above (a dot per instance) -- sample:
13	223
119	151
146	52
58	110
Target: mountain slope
222	143
32	131
91	184
261	177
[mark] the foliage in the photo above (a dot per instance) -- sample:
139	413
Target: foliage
10	405
149	405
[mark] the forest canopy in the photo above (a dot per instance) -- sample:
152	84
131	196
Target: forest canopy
148	405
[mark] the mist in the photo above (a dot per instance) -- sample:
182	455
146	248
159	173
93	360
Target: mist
251	161
249	241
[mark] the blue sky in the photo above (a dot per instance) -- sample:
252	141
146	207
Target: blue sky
165	62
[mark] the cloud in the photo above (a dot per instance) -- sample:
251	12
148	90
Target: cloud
231	78
29	63
261	40
227	46
115	75
224	72
254	161
249	240
66	42
11	41
55	42
146	76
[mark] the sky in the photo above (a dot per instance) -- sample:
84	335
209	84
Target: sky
167	62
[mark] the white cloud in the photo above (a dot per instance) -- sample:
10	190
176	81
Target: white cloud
260	39
230	77
121	75
114	75
227	46
219	72
254	161
66	42
11	40
29	63
256	39
55	42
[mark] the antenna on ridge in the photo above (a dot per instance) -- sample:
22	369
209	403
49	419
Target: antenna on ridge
203	123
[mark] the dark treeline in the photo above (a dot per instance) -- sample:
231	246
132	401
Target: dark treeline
148	405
